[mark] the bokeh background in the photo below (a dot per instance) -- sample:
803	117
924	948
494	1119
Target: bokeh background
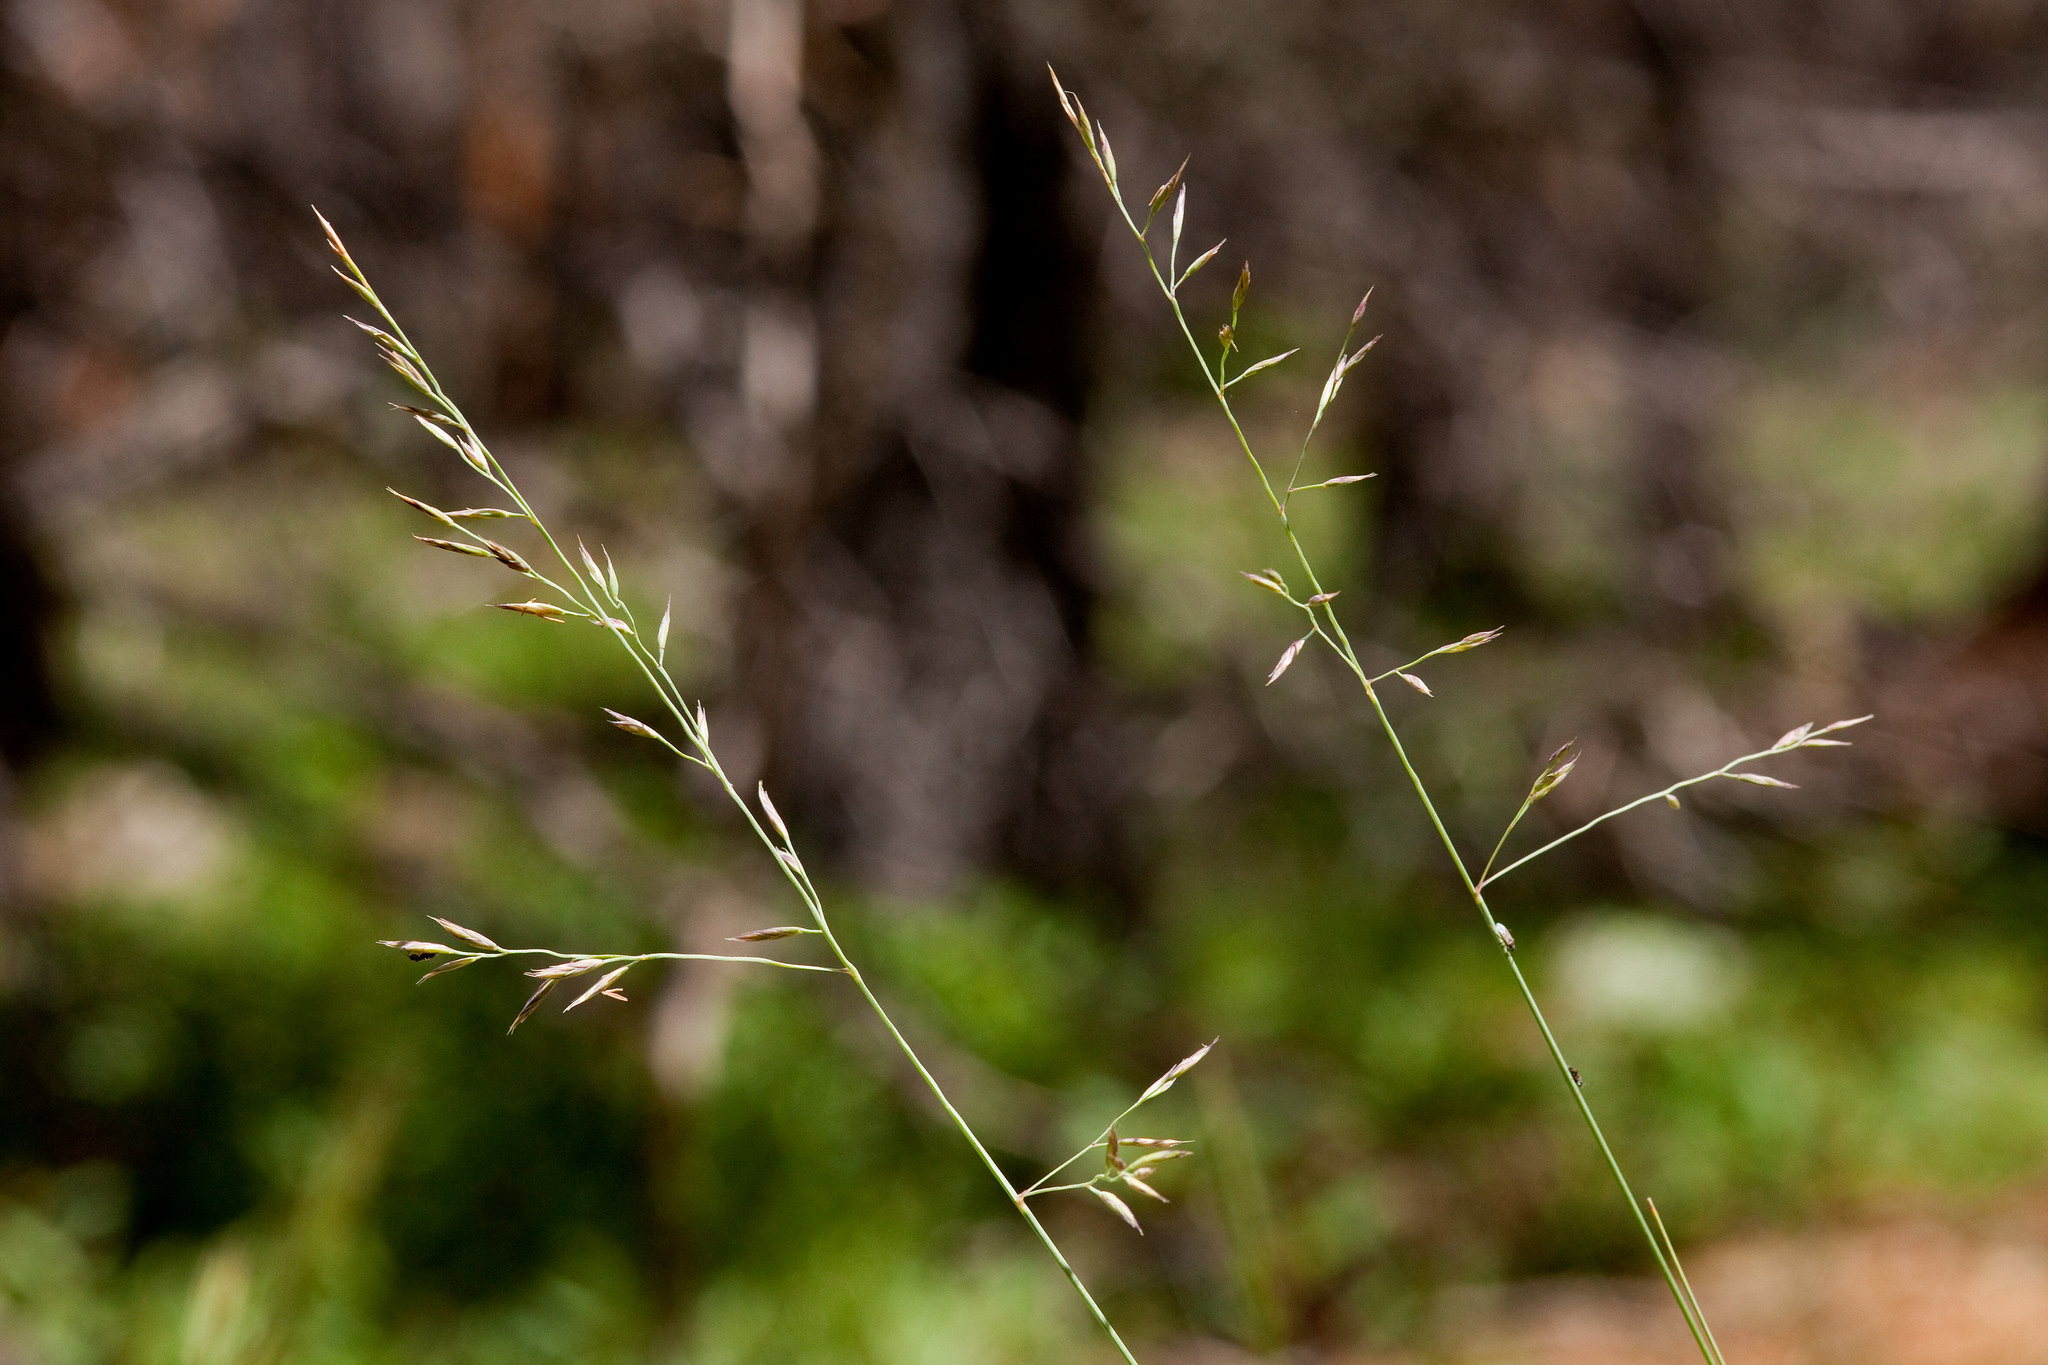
1713	370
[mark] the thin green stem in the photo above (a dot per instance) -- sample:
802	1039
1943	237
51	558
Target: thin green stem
613	959
1100	1139
598	599
1725	770
1502	842
1331	631
1698	1313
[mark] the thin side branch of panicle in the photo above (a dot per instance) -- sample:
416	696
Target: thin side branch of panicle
1801	737
1132	1172
1325	625
589	589
568	965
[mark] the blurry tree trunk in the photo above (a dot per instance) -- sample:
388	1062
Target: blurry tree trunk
1559	198
39	233
917	636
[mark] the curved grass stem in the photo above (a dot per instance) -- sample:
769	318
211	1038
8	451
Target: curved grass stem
595	594
1331	631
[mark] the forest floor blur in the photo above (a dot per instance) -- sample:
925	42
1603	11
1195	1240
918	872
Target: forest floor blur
237	1132
1913	1290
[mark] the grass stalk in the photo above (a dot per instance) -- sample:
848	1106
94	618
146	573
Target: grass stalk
586	592
1324	624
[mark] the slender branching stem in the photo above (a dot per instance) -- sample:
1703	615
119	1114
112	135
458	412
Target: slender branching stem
595	596
1101	1139
627	959
1327	627
1697	1313
1727	769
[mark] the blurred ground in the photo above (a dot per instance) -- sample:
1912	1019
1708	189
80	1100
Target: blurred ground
1712	370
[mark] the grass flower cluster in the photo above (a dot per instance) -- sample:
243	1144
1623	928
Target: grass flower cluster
1322	624
583	590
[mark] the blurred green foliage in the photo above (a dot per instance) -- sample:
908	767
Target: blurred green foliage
236	1131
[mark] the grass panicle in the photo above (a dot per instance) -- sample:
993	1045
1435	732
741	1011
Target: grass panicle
587	588
1324	625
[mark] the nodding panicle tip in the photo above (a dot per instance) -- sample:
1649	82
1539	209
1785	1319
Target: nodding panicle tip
333	237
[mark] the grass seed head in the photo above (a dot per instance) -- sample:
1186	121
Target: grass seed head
1117	1206
546	611
1268	363
472	453
509	558
1473	641
445	518
454	547
1287	659
774	815
1201	261
1555	770
416	949
1175	1072
467	935
598	987
1144	1164
558	971
1793	736
532	1004
1164	192
631	726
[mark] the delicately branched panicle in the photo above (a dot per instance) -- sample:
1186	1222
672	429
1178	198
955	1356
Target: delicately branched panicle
1152	1152
1556	769
588	589
565	965
1803	737
1326	626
